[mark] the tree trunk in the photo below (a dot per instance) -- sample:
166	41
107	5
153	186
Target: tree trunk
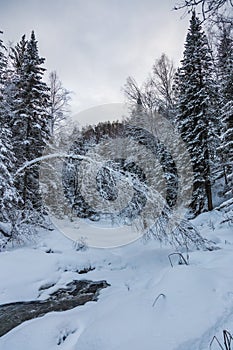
209	194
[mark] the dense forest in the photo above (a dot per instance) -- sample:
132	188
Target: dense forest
196	98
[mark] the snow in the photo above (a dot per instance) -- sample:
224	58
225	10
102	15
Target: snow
198	302
97	235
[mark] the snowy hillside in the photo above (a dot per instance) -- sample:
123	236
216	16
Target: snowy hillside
196	302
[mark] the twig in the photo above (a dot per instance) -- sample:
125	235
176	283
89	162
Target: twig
160	295
227	337
215	338
181	257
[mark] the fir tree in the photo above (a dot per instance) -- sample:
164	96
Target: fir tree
30	124
8	193
2	60
225	66
5	176
194	90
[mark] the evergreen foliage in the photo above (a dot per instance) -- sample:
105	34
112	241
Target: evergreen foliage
194	92
200	105
225	71
30	117
7	191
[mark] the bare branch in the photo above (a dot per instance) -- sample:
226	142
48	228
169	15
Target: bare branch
181	258
208	8
216	339
160	295
59	102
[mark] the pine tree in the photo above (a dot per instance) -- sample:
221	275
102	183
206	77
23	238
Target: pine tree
8	193
194	90
225	67
30	125
2	60
5	176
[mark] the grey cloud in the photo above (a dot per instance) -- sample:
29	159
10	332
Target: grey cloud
95	45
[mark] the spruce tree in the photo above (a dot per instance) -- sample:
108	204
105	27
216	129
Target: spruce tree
225	71
30	124
8	194
194	93
2	60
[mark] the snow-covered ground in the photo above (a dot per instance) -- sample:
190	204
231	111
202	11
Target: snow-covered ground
198	302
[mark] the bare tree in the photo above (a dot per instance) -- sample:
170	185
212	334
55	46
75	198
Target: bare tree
208	8
59	102
156	93
163	80
133	93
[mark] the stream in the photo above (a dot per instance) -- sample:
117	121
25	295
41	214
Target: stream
73	294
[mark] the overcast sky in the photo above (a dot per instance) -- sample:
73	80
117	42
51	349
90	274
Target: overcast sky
94	45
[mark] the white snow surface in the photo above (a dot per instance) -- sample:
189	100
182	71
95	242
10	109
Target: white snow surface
198	302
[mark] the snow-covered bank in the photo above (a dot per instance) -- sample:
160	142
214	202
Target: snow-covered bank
198	301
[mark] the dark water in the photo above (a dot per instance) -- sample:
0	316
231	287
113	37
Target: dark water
73	294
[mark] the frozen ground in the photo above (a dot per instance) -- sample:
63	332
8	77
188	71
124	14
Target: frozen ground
198	302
